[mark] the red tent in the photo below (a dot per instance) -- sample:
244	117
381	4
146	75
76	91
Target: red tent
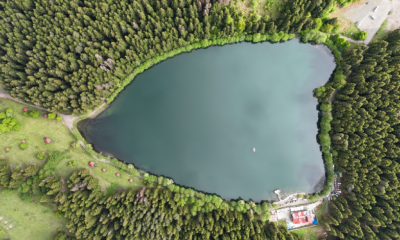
91	164
25	109
47	140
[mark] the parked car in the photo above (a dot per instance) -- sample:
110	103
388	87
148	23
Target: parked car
372	16
367	2
376	9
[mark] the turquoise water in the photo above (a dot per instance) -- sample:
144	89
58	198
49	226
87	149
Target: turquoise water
197	117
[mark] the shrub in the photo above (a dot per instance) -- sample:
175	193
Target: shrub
123	167
59	214
52	116
314	35
8	191
318	23
72	163
9	112
26	197
325	107
17	126
254	3
34	114
114	161
307	196
23	145
361	35
58	117
40	156
256	18
229	19
327	28
300	196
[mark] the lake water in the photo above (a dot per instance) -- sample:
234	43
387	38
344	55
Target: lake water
197	117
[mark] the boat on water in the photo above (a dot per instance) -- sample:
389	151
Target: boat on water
254	149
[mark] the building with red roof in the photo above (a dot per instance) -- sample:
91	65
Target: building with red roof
301	217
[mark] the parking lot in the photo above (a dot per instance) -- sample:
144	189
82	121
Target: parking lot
337	185
363	13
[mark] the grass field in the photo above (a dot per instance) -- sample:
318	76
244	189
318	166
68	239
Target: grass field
33	131
34	219
381	33
312	233
264	7
349	29
31	221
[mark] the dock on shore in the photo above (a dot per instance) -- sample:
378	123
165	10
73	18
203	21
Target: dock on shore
278	193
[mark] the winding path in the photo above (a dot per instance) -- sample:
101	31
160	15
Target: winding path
68	120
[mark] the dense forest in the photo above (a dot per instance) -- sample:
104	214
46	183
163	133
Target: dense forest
70	55
156	211
365	134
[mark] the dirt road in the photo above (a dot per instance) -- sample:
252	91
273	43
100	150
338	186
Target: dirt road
68	120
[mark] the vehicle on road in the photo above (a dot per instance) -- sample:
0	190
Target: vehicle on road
376	9
367	2
372	16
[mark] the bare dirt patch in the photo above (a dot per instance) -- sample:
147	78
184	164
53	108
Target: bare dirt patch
394	19
339	11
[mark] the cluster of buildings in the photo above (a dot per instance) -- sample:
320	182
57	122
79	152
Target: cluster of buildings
300	217
296	217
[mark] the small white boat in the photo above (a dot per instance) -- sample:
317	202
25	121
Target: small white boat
254	149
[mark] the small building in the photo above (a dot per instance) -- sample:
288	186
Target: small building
273	218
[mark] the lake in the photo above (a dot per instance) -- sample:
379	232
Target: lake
196	118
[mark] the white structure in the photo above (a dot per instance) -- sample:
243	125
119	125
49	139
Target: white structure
254	149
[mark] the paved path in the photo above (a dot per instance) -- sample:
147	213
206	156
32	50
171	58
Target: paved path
351	40
327	206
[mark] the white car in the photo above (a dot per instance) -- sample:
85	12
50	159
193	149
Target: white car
372	16
376	9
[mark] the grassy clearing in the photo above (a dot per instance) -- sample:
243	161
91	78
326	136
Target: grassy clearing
312	233
264	7
31	221
33	130
382	32
349	29
320	210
